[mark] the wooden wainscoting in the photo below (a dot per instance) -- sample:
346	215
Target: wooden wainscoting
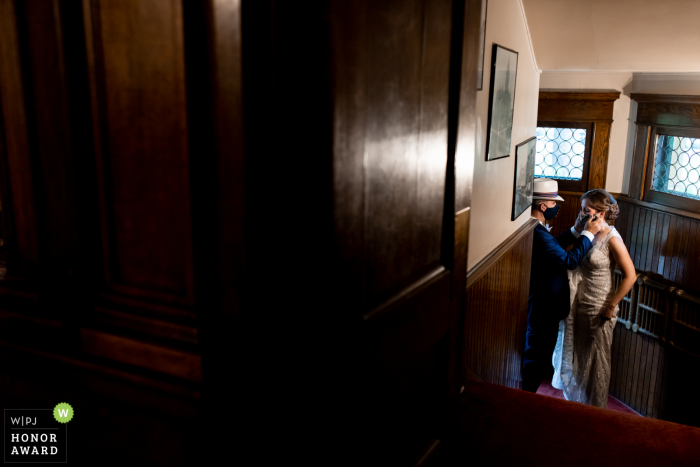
655	351
496	311
663	242
637	371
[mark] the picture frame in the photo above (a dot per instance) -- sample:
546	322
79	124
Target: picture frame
504	72
524	178
482	46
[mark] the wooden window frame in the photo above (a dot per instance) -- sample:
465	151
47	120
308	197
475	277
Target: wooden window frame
674	115
665	198
592	107
574	185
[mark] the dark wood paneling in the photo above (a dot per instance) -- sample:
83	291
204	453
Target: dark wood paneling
597	175
496	313
138	419
398	85
580	95
665	98
576	106
662	242
669	114
18	196
137	77
52	136
405	129
185	365
638	364
348	212
571	111
638	162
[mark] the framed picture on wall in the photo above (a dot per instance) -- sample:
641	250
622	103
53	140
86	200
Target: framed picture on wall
524	179
504	67
482	44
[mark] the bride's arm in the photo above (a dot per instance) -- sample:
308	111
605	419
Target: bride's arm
629	275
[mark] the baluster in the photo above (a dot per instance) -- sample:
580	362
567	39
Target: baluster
636	300
673	308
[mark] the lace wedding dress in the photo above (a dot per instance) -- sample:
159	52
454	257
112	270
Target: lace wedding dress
581	357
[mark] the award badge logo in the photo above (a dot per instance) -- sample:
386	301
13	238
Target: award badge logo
37	435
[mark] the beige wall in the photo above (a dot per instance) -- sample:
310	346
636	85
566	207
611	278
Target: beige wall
623	35
492	195
621	143
667	83
625	109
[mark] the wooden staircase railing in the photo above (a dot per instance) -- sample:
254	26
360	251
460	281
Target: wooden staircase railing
656	322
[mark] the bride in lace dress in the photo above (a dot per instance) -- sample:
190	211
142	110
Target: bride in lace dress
581	357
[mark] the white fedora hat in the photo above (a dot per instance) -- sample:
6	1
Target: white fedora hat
546	188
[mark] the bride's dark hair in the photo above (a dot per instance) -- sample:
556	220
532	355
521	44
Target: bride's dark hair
601	200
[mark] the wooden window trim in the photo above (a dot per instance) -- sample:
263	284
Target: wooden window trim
673	115
590	106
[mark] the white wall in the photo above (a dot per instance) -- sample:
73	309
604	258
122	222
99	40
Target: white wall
621	143
492	193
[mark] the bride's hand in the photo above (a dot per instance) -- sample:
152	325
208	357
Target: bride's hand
608	311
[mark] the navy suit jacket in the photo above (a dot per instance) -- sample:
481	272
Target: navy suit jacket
549	280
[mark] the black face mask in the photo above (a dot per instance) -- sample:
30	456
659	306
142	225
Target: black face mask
551	213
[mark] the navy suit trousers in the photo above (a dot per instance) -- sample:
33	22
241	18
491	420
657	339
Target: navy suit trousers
540	340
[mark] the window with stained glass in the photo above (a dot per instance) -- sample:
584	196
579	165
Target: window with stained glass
677	166
562	153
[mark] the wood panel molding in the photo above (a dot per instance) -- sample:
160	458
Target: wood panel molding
668	110
386	307
639	161
483	266
598	169
137	83
658	207
580	95
576	106
19	211
20	353
175	362
665	98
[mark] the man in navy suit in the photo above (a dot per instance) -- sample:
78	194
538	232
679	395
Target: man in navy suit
549	300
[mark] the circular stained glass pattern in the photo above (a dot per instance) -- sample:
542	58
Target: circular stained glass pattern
677	166
560	153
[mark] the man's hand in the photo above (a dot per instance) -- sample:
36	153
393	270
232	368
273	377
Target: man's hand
581	222
594	224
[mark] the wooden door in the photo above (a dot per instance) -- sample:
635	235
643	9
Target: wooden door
261	209
358	134
401	211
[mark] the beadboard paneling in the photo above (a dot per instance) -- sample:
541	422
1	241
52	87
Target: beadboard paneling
496	312
662	243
